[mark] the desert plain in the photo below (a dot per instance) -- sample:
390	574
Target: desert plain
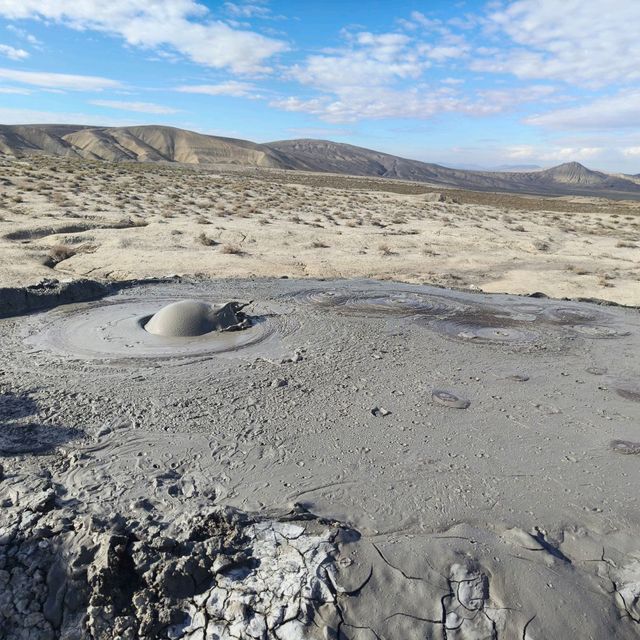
411	434
71	219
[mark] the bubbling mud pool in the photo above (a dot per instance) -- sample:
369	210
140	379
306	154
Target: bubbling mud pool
399	461
165	327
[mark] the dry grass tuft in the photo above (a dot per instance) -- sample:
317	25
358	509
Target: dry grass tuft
232	249
205	240
58	253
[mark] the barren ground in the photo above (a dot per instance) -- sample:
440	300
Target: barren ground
360	459
118	221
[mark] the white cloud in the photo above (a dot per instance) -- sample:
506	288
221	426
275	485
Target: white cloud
631	152
30	116
373	103
553	154
15	90
585	42
25	35
611	112
248	10
499	100
140	107
370	59
320	132
232	88
376	76
59	80
183	25
350	104
12	53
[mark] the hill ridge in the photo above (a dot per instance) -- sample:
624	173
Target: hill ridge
163	143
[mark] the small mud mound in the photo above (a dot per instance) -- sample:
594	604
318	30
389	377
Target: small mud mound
188	318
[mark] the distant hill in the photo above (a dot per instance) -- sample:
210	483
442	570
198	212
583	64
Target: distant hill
167	144
571	178
516	167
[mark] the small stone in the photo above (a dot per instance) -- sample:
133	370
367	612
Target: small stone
518	377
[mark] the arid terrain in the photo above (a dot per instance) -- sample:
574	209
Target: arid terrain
65	218
252	403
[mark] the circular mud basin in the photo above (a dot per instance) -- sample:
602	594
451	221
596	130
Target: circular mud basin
625	447
568	315
382	303
450	399
597	331
486	328
160	328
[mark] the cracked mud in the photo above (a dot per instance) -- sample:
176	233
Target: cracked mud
304	477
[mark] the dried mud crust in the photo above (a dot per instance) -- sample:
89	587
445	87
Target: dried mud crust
457	524
74	572
217	571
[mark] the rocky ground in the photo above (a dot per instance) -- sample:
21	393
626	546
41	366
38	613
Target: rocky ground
366	460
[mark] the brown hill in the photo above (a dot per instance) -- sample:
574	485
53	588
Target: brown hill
168	144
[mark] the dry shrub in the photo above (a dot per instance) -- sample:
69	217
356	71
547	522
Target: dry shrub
58	253
232	249
205	240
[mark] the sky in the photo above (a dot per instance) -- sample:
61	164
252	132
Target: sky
468	84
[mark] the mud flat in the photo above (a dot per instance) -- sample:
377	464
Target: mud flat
357	460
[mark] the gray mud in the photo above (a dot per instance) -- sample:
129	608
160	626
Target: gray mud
299	479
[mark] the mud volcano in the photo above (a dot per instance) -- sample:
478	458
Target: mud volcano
188	318
173	468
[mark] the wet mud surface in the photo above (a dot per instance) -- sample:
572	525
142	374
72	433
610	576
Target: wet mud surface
447	464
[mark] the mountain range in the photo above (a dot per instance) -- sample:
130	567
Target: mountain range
154	143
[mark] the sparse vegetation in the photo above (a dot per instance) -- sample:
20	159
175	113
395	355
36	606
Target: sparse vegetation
232	249
352	216
58	253
206	241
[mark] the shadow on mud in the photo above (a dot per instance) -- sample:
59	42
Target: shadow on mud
19	436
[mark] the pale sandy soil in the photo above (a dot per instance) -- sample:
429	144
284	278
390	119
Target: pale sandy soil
121	221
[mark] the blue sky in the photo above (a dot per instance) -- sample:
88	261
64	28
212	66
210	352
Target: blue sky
459	83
